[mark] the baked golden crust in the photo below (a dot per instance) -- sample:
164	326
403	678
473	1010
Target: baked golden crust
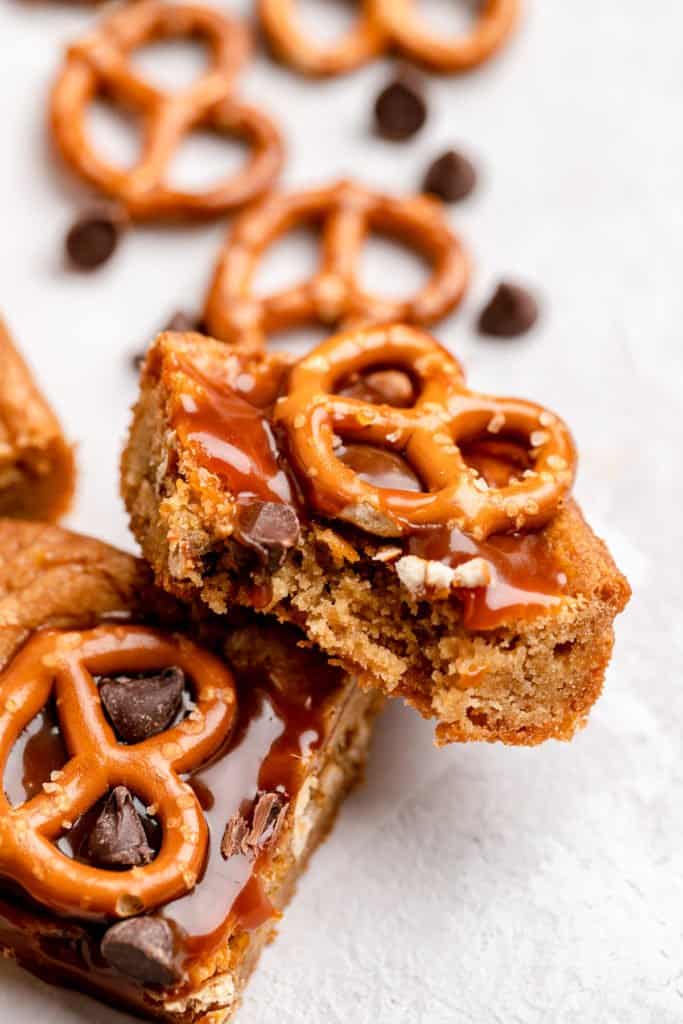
36	463
529	676
51	577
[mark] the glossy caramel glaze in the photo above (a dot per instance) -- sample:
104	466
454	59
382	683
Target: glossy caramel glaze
378	466
230	434
281	720
526	579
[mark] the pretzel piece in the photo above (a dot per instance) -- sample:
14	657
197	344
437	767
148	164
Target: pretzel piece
427	435
406	28
381	25
364	40
347	212
100	64
64	663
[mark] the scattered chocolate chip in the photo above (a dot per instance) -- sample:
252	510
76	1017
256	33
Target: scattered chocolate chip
183	322
250	834
142	948
145	706
119	838
400	110
92	239
450	177
511	311
269	528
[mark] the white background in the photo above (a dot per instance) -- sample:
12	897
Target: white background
474	885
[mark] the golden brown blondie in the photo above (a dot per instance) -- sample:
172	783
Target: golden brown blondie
421	534
166	777
36	463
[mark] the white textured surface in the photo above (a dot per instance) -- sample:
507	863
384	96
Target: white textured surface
472	885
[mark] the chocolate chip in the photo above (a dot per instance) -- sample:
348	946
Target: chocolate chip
119	838
450	177
250	833
235	836
268	818
269	528
92	238
400	110
511	311
142	948
183	322
145	706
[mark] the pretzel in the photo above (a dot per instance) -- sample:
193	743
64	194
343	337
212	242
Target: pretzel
333	295
427	435
64	663
99	63
383	24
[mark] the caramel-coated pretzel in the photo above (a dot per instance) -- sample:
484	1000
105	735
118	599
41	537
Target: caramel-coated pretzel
100	64
64	663
427	435
333	295
383	24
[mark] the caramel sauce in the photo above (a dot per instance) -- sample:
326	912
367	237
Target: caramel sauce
39	752
227	424
527	580
281	721
379	466
231	435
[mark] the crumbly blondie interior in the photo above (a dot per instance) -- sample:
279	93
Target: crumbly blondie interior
524	677
51	577
36	463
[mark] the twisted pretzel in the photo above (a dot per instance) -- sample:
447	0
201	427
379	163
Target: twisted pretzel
381	25
99	63
65	663
333	295
427	435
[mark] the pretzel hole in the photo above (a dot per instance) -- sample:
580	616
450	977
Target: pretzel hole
380	467
449	17
326	22
290	260
204	159
390	266
498	462
38	751
171	64
74	841
113	132
379	386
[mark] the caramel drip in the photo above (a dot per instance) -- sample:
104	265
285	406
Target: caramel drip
280	721
527	580
231	436
380	467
